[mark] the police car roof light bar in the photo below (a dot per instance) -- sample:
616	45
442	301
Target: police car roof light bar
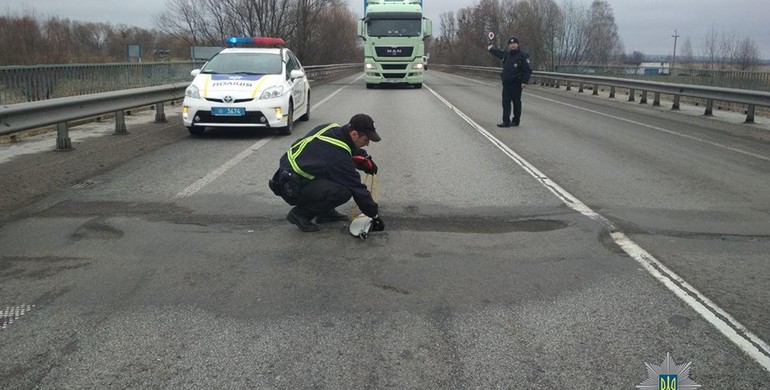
257	41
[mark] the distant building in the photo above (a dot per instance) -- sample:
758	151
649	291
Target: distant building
653	68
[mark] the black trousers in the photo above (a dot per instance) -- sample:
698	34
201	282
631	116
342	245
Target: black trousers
512	94
320	196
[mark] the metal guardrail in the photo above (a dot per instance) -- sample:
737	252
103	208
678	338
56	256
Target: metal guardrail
23	116
741	79
750	98
19	84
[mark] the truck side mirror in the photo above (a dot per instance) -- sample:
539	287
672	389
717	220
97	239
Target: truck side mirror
360	28
427	28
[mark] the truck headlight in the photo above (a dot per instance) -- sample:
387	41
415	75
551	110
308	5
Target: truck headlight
417	66
192	92
272	92
369	66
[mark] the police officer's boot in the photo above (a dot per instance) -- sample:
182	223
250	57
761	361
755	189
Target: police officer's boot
331	216
303	221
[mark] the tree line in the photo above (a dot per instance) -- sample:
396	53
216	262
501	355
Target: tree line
318	31
571	32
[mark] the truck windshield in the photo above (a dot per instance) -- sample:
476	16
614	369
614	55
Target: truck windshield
394	28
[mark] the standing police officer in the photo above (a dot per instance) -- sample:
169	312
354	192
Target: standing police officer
515	76
318	173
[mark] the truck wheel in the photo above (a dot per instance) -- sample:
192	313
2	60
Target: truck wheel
369	86
418	86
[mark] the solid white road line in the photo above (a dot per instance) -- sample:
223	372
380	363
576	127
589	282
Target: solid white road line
667	131
213	175
729	326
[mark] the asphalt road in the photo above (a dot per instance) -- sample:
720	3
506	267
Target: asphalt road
565	253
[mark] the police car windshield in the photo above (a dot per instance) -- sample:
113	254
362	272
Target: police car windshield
248	63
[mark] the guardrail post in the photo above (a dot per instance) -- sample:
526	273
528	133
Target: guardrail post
580	88
612	92
675	106
631	95
656	99
596	89
120	123
709	107
160	114
750	114
643	100
569	85
63	141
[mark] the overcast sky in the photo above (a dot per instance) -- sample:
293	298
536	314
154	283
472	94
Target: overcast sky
644	25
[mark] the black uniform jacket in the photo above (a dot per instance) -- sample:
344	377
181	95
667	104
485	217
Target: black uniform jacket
325	160
516	67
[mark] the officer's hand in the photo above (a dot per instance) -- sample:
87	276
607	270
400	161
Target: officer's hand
360	152
377	224
489	47
365	164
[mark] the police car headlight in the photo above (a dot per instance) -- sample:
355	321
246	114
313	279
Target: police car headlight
192	92
272	92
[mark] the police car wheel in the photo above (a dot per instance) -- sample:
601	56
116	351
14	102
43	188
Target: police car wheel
306	117
289	121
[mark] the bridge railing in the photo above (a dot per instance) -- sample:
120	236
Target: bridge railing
750	98
59	111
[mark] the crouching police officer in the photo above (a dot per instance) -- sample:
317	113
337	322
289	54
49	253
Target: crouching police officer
318	173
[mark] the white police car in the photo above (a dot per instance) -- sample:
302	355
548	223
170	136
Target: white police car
255	87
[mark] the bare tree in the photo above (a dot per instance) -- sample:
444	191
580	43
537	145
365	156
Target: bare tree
59	41
726	48
571	44
746	55
710	48
185	21
90	40
22	41
332	38
686	56
602	34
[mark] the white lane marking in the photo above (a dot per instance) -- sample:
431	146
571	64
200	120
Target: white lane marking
667	131
12	313
213	175
729	326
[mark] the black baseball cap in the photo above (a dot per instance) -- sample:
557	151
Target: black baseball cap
513	40
365	124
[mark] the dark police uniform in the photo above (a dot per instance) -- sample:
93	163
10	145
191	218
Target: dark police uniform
516	71
317	174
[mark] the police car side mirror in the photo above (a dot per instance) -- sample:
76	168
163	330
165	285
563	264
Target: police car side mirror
195	72
296	74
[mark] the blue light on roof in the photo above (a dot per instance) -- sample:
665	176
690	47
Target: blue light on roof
240	40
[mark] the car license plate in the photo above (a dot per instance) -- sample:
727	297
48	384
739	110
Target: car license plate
228	111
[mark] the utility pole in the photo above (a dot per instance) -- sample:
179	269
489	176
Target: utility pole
673	58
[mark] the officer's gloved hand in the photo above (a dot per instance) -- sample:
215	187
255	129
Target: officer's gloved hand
365	164
377	224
